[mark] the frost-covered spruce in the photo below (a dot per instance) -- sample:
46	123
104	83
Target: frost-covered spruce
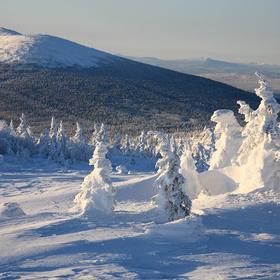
260	122
23	129
96	195
78	146
191	185
228	135
12	128
43	143
142	142
8	142
126	147
53	139
24	138
171	197
95	132
259	152
61	140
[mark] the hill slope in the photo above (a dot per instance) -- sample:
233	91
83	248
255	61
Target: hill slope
53	76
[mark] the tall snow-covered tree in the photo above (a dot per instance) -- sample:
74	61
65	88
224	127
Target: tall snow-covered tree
259	152
171	197
96	196
260	122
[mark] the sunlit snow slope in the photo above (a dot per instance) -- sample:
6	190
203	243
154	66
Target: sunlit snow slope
47	51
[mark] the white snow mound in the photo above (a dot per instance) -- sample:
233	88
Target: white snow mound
11	210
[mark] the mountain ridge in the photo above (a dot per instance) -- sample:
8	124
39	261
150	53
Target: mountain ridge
122	93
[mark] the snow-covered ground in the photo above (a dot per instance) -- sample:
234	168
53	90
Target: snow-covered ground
229	236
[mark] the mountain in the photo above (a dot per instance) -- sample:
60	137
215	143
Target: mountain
240	75
47	51
42	75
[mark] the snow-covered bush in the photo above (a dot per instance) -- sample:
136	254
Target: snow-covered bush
96	195
171	197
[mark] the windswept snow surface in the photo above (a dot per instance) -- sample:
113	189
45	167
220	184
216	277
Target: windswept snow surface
47	51
229	236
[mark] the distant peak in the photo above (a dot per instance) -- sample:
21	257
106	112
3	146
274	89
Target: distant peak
8	32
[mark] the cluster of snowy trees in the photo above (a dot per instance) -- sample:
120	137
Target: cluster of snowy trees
54	144
247	157
252	151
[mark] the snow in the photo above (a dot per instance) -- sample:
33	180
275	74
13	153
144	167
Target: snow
227	236
48	51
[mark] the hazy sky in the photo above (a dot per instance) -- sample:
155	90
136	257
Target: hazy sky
236	30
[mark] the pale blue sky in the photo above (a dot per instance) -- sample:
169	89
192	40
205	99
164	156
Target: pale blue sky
236	30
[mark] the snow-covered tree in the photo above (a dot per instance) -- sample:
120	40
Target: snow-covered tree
78	146
171	197
95	132
23	129
52	153
192	185
12	128
126	145
259	152
43	143
142	142
96	196
260	122
228	135
61	152
6	139
24	139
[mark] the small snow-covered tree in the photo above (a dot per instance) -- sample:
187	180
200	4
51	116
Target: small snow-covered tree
96	195
24	139
23	129
191	185
6	139
61	153
43	143
142	142
171	197
126	145
228	135
95	132
12	128
52	153
78	146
